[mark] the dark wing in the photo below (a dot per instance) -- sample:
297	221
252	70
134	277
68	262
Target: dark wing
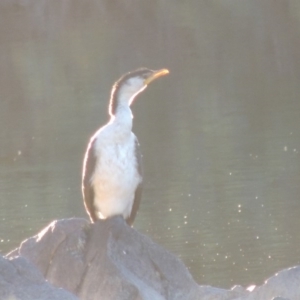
138	191
89	165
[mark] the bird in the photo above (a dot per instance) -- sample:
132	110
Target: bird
112	168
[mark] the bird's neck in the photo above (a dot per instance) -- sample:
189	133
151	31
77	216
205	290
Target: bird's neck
122	117
120	112
121	99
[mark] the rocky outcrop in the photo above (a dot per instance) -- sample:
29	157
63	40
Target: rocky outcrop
107	260
284	285
19	279
110	260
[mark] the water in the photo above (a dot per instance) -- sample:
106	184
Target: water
219	135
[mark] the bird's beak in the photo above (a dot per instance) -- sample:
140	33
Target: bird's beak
155	75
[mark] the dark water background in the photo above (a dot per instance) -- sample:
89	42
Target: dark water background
220	135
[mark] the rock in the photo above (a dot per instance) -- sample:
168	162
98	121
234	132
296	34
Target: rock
110	260
20	279
107	259
57	252
283	285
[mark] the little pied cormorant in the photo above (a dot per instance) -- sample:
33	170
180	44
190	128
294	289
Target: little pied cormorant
112	175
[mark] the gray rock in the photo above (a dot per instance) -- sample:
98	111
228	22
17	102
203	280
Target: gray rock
107	259
110	260
283	285
20	279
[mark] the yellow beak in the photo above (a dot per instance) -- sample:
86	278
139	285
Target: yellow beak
155	75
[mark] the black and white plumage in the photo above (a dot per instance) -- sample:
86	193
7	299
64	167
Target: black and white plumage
112	173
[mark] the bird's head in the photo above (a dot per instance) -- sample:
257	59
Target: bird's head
130	85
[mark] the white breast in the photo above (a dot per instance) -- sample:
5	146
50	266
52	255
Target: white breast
116	175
